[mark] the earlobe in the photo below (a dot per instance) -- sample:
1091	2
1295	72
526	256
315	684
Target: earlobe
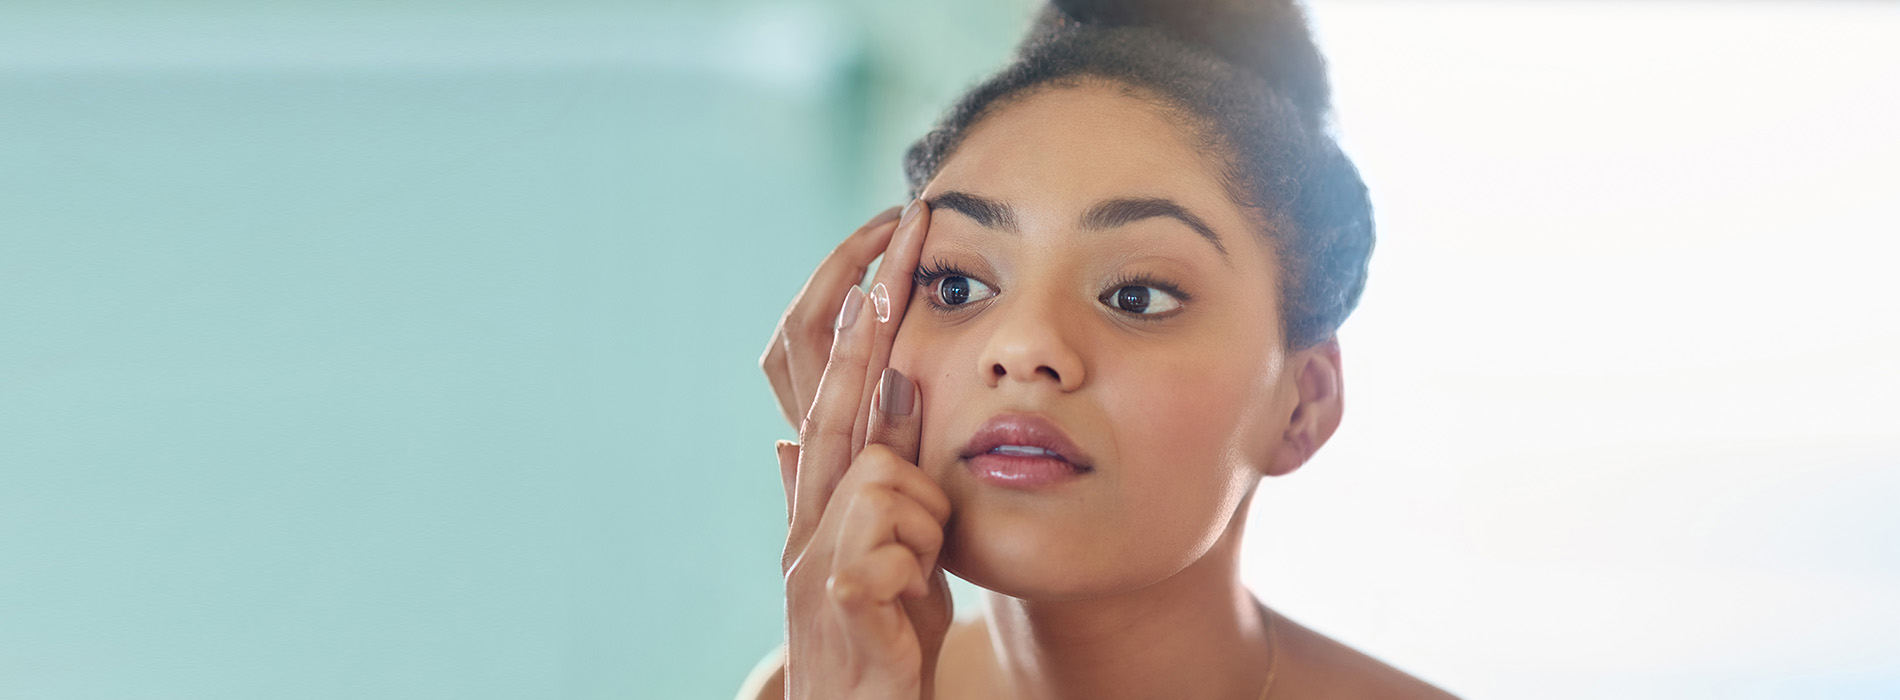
1320	386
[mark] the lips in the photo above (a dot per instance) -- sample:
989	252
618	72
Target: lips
1023	451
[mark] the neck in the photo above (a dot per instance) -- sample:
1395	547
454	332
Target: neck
1195	634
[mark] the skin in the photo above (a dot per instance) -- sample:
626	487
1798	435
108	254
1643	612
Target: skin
1124	582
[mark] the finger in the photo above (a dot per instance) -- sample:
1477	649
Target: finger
804	333
897	414
880	516
930	617
866	591
892	286
844	265
788	472
825	438
779	373
878	465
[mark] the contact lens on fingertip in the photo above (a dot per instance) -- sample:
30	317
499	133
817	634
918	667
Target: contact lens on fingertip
881	301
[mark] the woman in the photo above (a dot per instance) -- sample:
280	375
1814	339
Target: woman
1117	288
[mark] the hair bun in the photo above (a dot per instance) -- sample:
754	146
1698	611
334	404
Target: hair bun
1269	38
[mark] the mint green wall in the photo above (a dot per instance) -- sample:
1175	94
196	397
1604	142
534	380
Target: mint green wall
362	351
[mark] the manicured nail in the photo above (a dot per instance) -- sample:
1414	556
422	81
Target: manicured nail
895	393
910	212
881	302
853	302
882	218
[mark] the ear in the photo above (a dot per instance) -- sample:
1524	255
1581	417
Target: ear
1320	384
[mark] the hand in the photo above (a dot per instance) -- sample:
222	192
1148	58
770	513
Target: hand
868	606
796	355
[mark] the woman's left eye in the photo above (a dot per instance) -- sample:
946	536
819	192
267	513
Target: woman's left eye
1141	299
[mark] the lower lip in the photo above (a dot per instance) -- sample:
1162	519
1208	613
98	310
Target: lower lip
1022	472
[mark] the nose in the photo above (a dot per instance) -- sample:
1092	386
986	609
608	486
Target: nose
1030	344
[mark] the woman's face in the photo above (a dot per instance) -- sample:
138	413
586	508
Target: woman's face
1086	269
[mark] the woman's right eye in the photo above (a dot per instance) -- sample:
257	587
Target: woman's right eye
957	290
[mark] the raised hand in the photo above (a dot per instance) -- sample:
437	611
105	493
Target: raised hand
796	355
868	606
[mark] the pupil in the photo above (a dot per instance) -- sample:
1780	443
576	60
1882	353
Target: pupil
956	290
1133	299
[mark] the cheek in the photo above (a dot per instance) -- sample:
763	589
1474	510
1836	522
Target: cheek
1181	438
908	356
931	359
1176	412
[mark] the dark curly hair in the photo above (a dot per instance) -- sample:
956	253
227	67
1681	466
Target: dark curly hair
1247	78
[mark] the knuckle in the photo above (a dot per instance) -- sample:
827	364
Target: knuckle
797	325
876	501
933	537
847	588
880	463
819	429
878	453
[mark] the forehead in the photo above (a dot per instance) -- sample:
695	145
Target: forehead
1067	147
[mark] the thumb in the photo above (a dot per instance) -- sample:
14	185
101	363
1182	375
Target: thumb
896	422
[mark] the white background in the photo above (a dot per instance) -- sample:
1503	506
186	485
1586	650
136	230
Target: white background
1623	401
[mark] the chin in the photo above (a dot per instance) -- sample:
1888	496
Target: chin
1043	556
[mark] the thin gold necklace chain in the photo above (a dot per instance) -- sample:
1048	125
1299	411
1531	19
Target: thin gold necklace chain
1273	652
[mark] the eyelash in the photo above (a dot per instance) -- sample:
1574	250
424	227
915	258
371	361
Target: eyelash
928	274
934	270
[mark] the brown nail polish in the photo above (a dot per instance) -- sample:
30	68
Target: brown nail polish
895	393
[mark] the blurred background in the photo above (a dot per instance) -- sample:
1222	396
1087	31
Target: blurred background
408	350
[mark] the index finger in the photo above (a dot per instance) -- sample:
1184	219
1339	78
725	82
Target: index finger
825	438
890	294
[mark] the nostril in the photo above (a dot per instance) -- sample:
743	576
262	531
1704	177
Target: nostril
998	370
1051	372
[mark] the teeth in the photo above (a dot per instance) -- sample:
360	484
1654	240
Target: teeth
1022	451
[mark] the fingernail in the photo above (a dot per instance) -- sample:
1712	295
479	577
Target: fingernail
895	393
881	302
910	212
853	302
883	217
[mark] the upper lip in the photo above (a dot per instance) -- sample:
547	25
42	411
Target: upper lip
1028	431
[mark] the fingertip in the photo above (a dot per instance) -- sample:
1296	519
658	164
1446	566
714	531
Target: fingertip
848	312
881	302
897	394
845	590
911	211
889	214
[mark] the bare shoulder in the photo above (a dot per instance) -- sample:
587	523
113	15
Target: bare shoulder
767	679
1316	666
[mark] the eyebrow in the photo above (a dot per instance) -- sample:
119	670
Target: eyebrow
1113	213
988	212
1122	212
